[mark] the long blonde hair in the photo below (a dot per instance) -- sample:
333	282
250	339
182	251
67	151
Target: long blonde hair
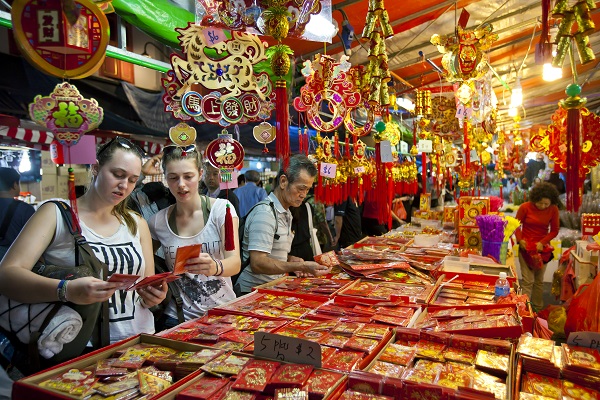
104	155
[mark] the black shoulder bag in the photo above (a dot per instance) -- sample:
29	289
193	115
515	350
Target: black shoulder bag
94	316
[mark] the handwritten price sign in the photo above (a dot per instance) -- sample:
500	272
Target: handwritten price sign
328	170
285	348
359	170
213	36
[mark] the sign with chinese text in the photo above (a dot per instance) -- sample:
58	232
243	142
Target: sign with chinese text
216	82
56	46
288	349
66	113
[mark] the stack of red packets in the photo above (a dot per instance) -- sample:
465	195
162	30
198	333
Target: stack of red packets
257	379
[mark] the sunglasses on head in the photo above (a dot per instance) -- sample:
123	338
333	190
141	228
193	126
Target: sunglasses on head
184	149
124	143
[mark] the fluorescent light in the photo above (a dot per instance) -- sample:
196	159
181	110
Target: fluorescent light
551	73
512	111
516	96
259	165
25	164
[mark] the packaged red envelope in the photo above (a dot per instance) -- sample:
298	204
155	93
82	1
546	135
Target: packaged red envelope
248	324
150	384
117	387
226	364
291	332
230	346
203	356
459	355
430	350
398	354
133	359
343	360
295	311
216	329
455	378
582	358
76	382
291	376
422	375
542	385
326	352
255	375
106	368
321	382
366	345
346	328
152	370
400	312
334	341
388	319
182	334
236	395
365	382
204	389
290	394
237	336
350	395
373	331
387	369
360	289
183	254
493	363
313	335
205	338
328	259
529	396
572	391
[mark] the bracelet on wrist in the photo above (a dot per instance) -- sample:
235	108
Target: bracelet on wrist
61	290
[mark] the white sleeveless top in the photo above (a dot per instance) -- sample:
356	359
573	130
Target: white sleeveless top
199	293
122	252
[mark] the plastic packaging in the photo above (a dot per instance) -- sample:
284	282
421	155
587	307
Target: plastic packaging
502	287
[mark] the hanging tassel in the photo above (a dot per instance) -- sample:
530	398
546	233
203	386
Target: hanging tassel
72	195
229	240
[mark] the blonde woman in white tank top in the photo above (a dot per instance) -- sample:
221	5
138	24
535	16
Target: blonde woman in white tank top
118	236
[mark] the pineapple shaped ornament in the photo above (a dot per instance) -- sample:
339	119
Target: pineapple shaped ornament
280	59
276	20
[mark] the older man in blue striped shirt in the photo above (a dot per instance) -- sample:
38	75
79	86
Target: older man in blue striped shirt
267	241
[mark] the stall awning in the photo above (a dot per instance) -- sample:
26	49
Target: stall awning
151	148
31	138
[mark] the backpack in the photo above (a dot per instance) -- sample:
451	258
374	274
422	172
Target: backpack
242	228
173	293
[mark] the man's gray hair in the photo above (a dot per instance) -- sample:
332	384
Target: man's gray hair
252	176
297	164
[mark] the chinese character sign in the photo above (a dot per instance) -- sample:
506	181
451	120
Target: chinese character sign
66	113
216	82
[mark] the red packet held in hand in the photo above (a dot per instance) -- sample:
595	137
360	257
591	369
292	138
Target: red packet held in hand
183	254
126	280
154	280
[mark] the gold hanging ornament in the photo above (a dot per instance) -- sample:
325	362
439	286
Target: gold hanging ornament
423	102
579	13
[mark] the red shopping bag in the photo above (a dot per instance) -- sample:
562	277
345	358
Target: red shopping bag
584	311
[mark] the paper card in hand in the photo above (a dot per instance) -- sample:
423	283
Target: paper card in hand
183	254
126	280
154	280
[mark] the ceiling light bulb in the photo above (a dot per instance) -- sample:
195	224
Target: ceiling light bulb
551	73
516	96
512	111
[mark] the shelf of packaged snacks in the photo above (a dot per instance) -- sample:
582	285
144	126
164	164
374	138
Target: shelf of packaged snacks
29	387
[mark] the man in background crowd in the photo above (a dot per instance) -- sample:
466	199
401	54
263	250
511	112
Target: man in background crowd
250	193
212	182
14	214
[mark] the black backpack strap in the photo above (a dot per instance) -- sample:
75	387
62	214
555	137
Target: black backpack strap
8	217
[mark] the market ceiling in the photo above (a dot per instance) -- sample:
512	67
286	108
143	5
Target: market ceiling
414	22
